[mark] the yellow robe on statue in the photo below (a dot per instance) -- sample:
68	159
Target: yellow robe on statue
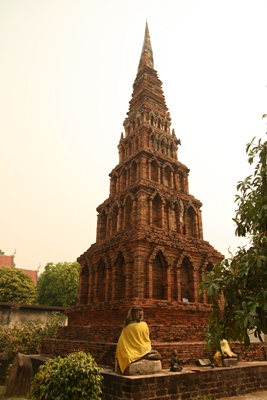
133	344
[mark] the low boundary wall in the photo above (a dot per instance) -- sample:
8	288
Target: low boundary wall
189	384
22	313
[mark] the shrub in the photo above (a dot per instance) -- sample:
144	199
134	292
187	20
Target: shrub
75	377
27	338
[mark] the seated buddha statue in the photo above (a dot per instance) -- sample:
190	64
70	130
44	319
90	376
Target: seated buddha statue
134	342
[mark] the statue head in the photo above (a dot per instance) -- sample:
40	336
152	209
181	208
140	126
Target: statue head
135	314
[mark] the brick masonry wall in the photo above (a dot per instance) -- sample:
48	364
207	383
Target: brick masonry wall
171	321
190	385
104	353
158	333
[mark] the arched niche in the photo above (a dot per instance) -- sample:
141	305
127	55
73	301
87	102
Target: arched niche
157	211
187	281
159	277
191	222
119	277
101	281
84	285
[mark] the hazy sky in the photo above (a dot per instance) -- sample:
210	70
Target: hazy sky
66	73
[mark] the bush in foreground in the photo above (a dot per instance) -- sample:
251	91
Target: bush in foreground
75	377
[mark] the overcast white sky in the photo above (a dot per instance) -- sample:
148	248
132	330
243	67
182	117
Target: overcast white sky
66	74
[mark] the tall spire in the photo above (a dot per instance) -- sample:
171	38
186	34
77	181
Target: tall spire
147	93
147	53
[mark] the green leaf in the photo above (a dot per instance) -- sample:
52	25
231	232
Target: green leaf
210	291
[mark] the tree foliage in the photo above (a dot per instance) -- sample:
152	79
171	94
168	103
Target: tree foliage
75	377
240	282
16	287
58	284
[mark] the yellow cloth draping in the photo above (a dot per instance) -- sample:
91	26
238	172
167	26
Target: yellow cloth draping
133	344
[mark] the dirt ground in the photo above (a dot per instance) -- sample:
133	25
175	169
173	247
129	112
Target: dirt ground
2	392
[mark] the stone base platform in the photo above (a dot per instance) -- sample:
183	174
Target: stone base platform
191	383
229	362
143	367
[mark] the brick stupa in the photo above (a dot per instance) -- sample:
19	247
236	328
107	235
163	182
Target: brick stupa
149	247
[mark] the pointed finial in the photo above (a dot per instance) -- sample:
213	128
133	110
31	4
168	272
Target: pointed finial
147	53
